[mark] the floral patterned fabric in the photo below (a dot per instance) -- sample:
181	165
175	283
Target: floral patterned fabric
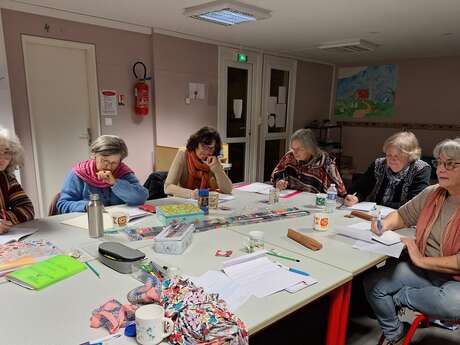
199	318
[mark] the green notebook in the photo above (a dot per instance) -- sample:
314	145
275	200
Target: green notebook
44	273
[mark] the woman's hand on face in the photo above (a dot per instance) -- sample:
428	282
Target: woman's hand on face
350	200
106	176
281	184
5	226
212	162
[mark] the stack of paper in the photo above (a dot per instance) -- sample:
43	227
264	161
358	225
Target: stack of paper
132	212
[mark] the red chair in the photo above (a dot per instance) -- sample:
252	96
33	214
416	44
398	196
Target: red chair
420	319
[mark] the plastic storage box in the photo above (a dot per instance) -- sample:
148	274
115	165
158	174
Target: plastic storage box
181	213
174	239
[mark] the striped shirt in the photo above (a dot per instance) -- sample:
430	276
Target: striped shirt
14	201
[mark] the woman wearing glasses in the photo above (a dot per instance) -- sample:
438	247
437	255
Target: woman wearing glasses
15	205
104	174
430	281
396	178
198	167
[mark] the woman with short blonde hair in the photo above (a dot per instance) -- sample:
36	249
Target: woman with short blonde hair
396	178
104	174
15	205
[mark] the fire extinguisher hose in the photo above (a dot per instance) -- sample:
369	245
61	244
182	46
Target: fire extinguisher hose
145	70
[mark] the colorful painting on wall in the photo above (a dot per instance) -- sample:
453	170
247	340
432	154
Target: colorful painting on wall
366	91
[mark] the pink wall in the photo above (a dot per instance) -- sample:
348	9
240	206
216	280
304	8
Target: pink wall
177	62
313	93
427	92
116	51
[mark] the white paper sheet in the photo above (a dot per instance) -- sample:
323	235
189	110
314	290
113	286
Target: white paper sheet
82	221
225	197
388	238
280	115
363	206
16	233
271	106
260	276
360	231
228	290
133	212
282	94
385	211
263	188
393	251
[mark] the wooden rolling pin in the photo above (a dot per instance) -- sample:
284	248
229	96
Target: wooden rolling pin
362	215
304	240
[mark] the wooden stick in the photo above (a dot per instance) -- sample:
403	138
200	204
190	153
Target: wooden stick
362	215
304	240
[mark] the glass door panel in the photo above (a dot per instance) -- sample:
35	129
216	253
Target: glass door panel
277	102
274	150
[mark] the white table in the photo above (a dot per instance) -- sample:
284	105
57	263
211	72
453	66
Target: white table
256	313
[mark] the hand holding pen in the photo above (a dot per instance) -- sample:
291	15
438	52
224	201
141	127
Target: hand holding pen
5	224
282	183
377	225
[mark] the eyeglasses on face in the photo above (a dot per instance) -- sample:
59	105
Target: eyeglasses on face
6	154
448	165
208	148
107	163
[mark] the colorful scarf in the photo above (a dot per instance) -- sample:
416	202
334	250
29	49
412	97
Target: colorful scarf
86	170
450	239
381	170
198	172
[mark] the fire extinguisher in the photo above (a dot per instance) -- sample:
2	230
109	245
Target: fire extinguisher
141	92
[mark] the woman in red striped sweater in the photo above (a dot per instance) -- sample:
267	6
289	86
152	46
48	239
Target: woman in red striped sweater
15	205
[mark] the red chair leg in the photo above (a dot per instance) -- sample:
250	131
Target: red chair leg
413	328
335	308
344	314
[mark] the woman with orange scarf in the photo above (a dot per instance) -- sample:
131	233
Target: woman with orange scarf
198	167
430	281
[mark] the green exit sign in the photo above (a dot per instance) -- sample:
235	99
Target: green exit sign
242	57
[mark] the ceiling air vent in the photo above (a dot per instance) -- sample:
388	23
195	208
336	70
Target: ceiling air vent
350	46
226	12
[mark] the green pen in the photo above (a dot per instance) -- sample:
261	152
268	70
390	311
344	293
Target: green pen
283	257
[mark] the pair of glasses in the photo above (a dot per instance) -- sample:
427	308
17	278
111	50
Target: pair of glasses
448	165
208	148
107	163
6	154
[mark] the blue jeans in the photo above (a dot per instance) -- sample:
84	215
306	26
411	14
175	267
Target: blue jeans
404	285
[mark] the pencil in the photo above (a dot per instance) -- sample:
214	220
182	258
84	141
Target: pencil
283	257
92	269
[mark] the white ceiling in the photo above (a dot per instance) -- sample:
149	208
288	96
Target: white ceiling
402	28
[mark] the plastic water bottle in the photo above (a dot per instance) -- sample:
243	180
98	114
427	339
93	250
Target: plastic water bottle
331	198
95	220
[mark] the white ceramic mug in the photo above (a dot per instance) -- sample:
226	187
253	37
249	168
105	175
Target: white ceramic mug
119	218
320	221
150	325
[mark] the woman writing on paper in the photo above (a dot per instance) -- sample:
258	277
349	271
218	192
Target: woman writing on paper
430	281
306	167
198	167
105	174
15	205
395	179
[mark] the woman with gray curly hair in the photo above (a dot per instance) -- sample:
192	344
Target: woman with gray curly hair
15	205
396	178
104	174
430	281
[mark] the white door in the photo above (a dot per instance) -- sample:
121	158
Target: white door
239	99
64	111
279	75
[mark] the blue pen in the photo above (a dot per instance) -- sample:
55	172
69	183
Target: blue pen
379	222
295	270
